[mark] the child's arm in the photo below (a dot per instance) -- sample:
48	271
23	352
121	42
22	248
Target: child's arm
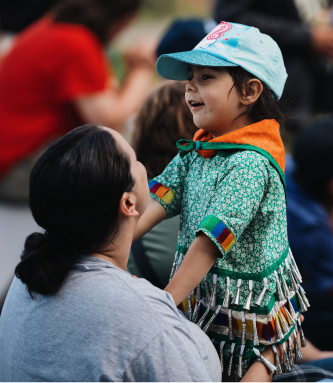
154	214
199	259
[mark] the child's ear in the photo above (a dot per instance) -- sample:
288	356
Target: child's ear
252	91
127	205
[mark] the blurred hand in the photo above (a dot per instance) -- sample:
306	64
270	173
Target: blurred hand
322	41
142	55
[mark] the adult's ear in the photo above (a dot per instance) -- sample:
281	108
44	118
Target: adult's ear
127	205
251	92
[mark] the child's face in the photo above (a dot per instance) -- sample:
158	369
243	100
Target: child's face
213	100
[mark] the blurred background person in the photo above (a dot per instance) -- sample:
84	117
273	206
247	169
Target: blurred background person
309	182
16	15
162	121
303	31
56	77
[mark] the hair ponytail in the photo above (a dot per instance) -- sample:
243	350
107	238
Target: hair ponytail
75	189
45	263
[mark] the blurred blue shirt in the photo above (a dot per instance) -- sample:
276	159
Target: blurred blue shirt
310	234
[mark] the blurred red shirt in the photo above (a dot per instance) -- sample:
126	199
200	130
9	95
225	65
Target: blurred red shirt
50	65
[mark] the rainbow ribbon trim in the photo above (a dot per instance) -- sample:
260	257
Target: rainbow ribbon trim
219	230
162	192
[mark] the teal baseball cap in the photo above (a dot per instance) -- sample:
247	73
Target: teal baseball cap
228	45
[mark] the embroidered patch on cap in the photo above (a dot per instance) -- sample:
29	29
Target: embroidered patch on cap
162	192
219	230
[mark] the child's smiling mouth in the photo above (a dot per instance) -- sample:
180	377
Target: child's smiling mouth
195	105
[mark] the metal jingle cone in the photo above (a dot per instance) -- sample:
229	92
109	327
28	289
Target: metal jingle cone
207	290
179	262
266	362
301	302
290	318
221	355
303	340
277	362
291	309
278	287
292	280
286	291
305	299
257	303
285	327
209	323
286	363
173	269
235	301
226	299
298	352
243	339
231	359
198	295
196	311
278	329
213	296
231	334
189	307
290	354
247	304
296	276
203	318
255	332
240	370
293	262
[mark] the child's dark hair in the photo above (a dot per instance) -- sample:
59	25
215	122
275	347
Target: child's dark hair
75	190
266	107
163	120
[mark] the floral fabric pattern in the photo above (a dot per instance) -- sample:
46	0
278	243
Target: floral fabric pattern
244	192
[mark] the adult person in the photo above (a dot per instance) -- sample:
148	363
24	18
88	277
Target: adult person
309	181
56	77
75	317
163	120
69	312
306	45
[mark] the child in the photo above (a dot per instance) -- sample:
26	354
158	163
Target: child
239	276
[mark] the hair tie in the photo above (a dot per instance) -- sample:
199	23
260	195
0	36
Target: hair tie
197	145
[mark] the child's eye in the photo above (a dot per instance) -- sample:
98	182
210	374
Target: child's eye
206	76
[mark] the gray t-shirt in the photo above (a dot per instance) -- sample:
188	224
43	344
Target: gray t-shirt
103	325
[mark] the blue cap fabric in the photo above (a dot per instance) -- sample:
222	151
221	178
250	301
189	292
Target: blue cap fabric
231	44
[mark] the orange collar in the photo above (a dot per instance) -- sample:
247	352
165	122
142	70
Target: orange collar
264	135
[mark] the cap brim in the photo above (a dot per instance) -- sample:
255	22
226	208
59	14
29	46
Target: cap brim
174	66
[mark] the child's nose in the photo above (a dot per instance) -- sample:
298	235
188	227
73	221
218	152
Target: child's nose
190	86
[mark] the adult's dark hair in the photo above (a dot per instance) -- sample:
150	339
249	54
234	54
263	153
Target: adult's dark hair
266	107
75	190
162	121
96	15
313	155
